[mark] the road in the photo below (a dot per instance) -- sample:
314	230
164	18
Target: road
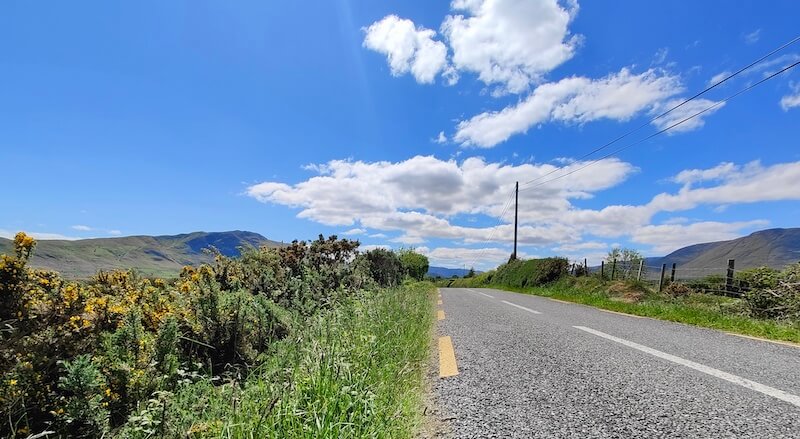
530	367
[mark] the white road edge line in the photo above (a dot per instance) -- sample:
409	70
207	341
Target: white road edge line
487	295
744	382
520	307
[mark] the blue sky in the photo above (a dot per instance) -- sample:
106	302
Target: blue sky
398	123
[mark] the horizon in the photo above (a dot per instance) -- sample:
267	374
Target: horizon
401	124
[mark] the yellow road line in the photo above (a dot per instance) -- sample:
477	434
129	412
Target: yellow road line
623	314
562	301
781	342
439	302
440	315
447	358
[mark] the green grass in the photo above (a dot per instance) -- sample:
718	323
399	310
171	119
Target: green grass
356	371
704	310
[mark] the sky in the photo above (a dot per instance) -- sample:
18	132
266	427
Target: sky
401	124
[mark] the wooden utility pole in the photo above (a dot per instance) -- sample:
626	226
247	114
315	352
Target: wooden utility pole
729	275
641	265
661	281
516	217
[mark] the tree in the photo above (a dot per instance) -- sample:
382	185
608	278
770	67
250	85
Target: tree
470	273
385	267
414	264
627	260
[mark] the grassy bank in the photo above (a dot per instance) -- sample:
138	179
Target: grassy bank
354	372
709	311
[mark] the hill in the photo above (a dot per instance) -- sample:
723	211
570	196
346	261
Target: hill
447	272
773	247
151	255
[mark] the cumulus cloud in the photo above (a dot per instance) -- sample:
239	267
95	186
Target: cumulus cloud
791	100
441	138
618	96
510	42
667	238
683	119
416	196
456	257
419	197
408	48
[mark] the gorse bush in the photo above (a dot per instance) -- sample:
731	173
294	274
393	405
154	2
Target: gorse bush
82	359
414	265
773	294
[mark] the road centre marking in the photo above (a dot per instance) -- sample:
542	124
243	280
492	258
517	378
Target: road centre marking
744	382
521	307
447	358
440	315
479	292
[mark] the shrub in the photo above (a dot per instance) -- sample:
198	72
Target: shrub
414	264
83	357
385	267
677	289
778	295
758	278
534	272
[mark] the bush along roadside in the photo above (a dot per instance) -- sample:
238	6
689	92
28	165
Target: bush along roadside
770	308
300	341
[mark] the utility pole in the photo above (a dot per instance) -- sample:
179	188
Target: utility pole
516	216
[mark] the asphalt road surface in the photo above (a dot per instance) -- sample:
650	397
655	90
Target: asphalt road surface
533	367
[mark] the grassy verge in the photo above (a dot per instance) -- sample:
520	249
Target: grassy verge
355	371
722	313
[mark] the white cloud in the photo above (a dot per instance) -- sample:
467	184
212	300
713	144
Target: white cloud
618	96
752	37
510	42
456	257
82	228
115	232
355	231
588	245
718	77
441	138
417	195
678	120
661	55
667	238
791	100
39	235
378	235
408	48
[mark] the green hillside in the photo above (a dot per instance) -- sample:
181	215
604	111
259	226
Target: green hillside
151	255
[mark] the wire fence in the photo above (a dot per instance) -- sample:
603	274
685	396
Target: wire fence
721	280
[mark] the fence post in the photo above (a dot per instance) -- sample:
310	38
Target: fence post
672	275
602	269
639	275
729	276
661	282
613	268
573	269
585	266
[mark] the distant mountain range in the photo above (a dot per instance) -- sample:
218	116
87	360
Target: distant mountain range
447	272
166	255
775	248
151	255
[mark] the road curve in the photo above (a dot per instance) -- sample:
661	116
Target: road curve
531	367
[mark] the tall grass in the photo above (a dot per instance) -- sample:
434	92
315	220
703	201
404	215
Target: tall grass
355	371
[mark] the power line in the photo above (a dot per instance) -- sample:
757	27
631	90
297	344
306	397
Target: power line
684	102
709	108
506	207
